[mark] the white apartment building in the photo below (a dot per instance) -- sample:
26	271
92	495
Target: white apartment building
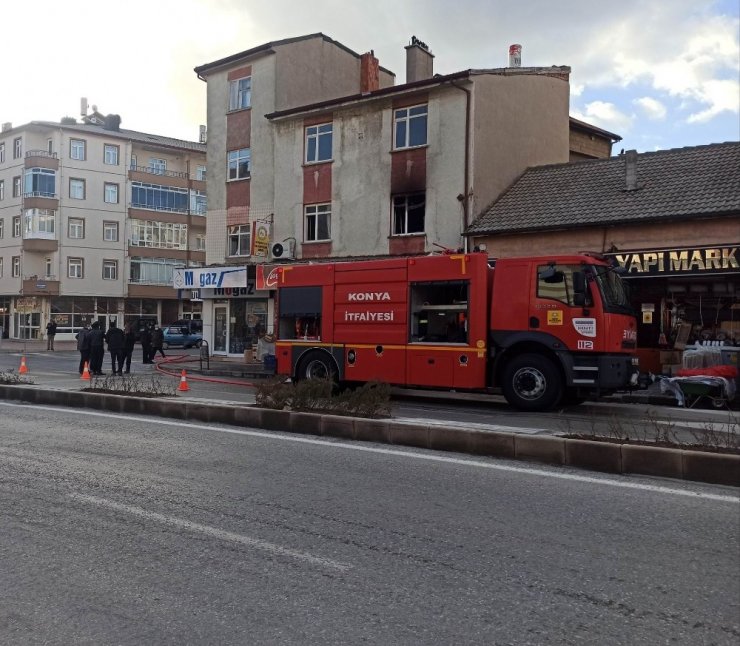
93	221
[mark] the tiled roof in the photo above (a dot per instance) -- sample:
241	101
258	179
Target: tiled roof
129	135
700	181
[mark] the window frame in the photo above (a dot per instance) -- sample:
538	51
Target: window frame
115	154
2	152
76	262
111	186
2	189
109	264
17	230
404	120
313	212
17	147
313	139
406	213
18	186
110	225
78	147
236	158
239	95
76	223
82	184
15	270
240	232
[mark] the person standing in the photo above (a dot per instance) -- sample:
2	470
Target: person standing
115	339
129	341
96	349
157	342
83	346
146	345
51	331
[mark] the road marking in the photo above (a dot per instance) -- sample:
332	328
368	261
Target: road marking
265	546
338	444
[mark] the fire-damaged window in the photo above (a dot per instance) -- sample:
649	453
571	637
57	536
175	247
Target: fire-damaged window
300	313
408	214
439	311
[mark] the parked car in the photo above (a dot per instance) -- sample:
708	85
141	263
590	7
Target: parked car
194	326
181	335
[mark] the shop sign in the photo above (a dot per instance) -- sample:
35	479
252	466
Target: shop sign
212	277
234	292
671	262
26	304
261	238
268	276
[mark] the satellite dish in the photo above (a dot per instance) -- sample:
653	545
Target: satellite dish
278	250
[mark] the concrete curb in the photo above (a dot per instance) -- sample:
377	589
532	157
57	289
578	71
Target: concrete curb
715	468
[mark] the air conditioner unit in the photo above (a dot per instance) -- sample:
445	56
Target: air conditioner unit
284	250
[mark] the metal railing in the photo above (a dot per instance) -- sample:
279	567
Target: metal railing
40	153
151	170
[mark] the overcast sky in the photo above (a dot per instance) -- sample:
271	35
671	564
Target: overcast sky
660	73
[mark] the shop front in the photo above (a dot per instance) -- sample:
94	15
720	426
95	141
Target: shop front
682	296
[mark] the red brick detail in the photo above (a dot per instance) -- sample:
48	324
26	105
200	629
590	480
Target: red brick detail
316	183
237	194
237	215
408	170
369	73
241	73
415	99
316	250
238	129
407	245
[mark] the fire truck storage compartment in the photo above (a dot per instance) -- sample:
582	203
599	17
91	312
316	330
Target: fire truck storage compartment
439	312
300	313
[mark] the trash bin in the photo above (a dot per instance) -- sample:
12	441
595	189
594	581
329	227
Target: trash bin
269	361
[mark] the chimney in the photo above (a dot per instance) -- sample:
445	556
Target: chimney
369	73
630	170
7	126
419	61
202	134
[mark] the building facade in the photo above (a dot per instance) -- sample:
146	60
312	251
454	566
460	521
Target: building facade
671	218
93	221
314	153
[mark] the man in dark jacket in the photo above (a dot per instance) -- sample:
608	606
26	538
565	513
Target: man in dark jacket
146	345
51	332
115	339
83	346
96	349
157	342
129	341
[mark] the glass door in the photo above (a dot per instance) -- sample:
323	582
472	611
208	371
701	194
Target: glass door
220	328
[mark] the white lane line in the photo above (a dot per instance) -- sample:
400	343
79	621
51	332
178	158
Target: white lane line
338	444
214	532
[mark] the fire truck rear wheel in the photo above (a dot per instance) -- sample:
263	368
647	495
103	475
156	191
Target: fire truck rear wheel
532	382
317	365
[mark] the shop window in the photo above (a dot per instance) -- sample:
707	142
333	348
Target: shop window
300	313
439	312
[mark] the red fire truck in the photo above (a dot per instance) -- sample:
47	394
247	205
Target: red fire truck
545	330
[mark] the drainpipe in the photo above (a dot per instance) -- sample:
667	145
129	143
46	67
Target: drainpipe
465	195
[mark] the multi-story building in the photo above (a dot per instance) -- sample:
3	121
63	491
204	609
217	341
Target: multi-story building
93	220
314	153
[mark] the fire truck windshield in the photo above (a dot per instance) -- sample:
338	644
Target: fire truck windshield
614	291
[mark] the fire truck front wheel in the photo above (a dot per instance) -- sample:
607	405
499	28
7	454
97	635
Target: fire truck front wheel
316	365
532	382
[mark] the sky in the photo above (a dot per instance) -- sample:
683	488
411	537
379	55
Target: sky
661	73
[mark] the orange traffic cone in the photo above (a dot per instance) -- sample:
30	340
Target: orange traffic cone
86	372
24	368
183	382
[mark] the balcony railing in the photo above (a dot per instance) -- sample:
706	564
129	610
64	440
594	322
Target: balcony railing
40	194
158	171
40	153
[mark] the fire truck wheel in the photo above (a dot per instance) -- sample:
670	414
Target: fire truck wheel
532	382
316	365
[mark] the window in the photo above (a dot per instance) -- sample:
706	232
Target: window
2	227
200	173
110	270
158	235
2	153
75	267
159	198
410	126
76	228
39	182
2	189
17	226
157	166
110	231
318	143
110	154
133	162
408	214
153	271
48	268
556	282
239	240
50	146
110	193
239	163
77	149
77	189
318	222
198	202
1	267
16	187
200	242
240	93
39	223
16	269
17	148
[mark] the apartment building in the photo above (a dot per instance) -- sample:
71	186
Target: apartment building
315	153
93	221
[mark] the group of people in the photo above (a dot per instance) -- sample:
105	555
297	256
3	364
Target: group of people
91	342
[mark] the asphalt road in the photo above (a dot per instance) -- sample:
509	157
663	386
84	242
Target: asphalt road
117	530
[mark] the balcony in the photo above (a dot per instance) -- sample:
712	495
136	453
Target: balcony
41	159
40	286
151	175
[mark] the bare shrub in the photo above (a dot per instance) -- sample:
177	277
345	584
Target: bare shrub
140	386
10	377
